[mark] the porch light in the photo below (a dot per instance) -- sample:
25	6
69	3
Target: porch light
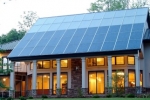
4	79
120	73
45	76
61	76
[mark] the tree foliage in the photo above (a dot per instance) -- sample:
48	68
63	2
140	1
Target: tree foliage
12	35
28	18
110	5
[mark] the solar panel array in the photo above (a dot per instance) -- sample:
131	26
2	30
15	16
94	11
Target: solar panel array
91	32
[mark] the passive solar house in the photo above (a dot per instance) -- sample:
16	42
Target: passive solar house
83	51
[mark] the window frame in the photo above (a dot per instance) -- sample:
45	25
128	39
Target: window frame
60	63
128	60
115	57
54	73
103	71
96	61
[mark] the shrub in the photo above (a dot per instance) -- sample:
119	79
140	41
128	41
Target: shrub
95	96
108	95
9	98
22	98
44	96
130	95
30	97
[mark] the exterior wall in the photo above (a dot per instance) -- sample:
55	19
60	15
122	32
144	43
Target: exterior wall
50	71
147	64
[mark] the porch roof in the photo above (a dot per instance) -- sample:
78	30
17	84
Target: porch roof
89	33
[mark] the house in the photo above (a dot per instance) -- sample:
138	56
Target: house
19	69
83	52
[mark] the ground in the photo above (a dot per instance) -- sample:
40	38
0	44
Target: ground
93	99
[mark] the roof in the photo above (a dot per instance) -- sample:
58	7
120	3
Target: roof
84	33
10	45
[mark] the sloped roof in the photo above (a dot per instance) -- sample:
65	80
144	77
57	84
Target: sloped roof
10	45
84	33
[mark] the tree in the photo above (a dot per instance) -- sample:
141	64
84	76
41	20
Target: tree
29	18
12	35
111	5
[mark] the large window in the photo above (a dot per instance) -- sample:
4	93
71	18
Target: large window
96	61
63	63
42	83
63	83
118	60
132	78
96	82
131	60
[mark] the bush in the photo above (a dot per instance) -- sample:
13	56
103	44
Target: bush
95	96
44	96
9	98
130	95
30	97
22	98
108	95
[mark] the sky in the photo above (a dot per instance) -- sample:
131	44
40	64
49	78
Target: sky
11	11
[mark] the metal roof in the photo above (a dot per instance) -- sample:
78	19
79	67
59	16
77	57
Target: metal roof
10	45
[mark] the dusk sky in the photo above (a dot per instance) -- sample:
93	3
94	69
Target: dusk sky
11	11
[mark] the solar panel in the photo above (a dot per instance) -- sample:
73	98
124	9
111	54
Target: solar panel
91	32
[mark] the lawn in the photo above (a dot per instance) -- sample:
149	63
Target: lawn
93	99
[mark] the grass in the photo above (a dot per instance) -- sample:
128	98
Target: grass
93	99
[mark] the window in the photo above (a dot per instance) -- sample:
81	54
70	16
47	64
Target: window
42	83
63	83
131	60
118	60
96	82
63	63
96	61
43	64
132	78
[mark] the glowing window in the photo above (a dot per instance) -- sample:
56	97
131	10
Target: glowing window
113	60
131	60
96	82
119	60
96	61
63	63
63	83
131	79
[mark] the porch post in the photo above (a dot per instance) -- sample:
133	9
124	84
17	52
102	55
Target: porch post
109	72
12	80
137	72
58	76
34	75
84	88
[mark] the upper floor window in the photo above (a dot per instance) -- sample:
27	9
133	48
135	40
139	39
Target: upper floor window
63	63
118	60
43	64
131	60
96	61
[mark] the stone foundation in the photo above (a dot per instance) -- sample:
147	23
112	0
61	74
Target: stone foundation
11	93
34	93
